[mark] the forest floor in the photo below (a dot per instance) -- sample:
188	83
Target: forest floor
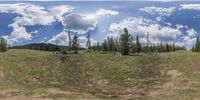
40	75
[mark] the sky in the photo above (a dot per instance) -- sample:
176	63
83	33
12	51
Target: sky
25	22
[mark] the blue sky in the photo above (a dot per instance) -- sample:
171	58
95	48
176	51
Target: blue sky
24	22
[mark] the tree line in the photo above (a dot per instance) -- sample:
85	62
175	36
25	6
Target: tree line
3	45
196	47
126	45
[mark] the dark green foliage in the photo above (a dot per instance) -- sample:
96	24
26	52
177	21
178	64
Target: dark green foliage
132	46
98	47
44	47
75	44
111	44
88	44
196	48
126	45
167	48
117	44
104	46
41	46
125	42
70	42
138	45
64	52
3	45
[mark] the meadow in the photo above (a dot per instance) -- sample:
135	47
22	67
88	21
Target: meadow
42	75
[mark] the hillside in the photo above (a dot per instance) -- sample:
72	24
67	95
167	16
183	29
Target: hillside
43	47
38	75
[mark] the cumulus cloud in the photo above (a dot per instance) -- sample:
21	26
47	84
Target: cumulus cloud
83	41
178	26
190	6
141	26
63	39
60	39
157	33
161	11
188	39
59	11
30	14
191	32
79	23
104	12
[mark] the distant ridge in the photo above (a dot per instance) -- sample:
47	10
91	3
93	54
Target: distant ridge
43	47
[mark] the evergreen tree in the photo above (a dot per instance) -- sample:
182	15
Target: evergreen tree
174	47
125	42
197	45
133	45
117	45
75	44
111	45
88	44
104	46
3	45
98	47
148	51
70	41
138	45
193	49
167	48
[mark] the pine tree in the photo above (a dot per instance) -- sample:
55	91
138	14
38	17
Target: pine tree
88	44
3	45
193	49
98	47
111	45
132	45
138	45
167	48
70	41
104	46
174	47
75	44
161	47
148	51
125	42
117	45
197	45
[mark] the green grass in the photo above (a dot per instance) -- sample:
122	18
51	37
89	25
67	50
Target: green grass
106	75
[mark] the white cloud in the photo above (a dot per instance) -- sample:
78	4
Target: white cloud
161	11
188	39
158	33
190	6
141	26
59	11
19	34
83	41
63	39
178	26
191	32
60	39
104	12
30	14
79	23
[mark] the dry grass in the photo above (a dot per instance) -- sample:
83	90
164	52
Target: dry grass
89	76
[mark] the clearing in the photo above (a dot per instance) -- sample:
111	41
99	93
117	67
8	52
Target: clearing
40	75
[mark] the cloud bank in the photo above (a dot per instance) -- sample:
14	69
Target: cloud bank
30	15
79	23
161	11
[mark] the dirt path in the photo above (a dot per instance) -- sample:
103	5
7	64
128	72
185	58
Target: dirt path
167	88
2	77
52	94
